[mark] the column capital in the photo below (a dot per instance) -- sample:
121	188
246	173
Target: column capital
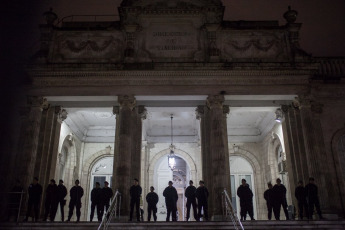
127	101
309	102
34	101
116	110
215	101
142	111
200	111
226	109
61	113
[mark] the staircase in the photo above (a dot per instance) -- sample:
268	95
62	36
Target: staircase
258	225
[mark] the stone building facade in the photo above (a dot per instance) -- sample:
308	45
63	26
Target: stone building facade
102	92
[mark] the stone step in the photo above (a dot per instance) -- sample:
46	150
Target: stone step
258	225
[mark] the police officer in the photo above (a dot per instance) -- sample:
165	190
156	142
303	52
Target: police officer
51	201
301	199
35	193
246	200
76	193
135	193
62	193
107	194
152	200
311	191
96	201
279	194
171	197
201	194
269	200
190	194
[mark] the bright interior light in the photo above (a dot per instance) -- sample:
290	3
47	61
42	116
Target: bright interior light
172	162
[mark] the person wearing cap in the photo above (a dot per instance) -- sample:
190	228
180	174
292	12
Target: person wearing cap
51	201
107	194
201	194
76	193
269	200
171	197
246	200
311	191
190	194
301	199
96	201
152	200
279	194
135	194
61	194
35	193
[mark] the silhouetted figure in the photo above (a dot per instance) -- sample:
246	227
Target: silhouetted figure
14	201
96	202
62	193
135	193
107	194
191	201
51	201
171	198
76	193
35	193
269	200
201	194
301	197
246	200
311	191
279	195
152	200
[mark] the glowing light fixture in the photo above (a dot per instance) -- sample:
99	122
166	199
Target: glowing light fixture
171	156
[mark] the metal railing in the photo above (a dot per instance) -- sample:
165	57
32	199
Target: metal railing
112	212
229	213
15	206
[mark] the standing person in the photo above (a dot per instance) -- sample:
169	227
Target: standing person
76	193
107	194
269	200
51	201
279	194
301	199
201	194
246	200
190	194
135	193
311	191
96	201
152	200
14	200
62	193
171	198
35	193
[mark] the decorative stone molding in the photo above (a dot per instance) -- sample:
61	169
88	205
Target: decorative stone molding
199	111
127	101
142	112
215	101
226	109
116	110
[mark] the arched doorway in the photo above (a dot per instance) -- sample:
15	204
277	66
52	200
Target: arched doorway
240	169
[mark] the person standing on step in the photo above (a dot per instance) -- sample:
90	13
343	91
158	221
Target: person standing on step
96	202
301	199
107	194
76	193
311	191
279	194
269	200
201	194
191	201
171	197
51	201
35	193
152	200
135	194
246	200
62	193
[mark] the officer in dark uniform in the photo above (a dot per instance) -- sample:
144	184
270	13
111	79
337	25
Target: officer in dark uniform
152	200
76	193
246	200
311	191
301	199
35	193
269	200
62	193
171	197
190	194
279	195
107	194
201	194
135	193
96	200
51	201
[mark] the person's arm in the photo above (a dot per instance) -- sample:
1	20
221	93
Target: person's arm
156	198
64	191
82	192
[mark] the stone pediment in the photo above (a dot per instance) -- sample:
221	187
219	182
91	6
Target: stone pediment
171	3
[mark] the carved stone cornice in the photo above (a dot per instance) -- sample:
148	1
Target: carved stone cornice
127	101
215	101
142	112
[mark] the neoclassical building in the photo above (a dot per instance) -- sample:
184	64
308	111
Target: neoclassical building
109	100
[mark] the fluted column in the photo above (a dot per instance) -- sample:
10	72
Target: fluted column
214	152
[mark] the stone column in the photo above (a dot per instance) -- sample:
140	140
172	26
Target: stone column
215	152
